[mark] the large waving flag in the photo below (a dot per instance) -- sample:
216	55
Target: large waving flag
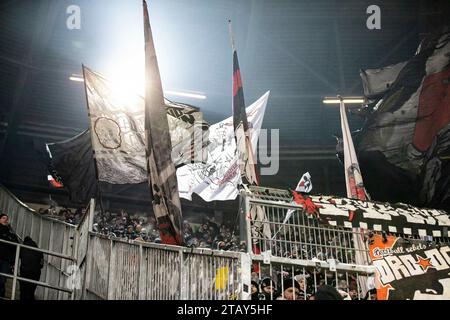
117	127
376	82
162	176
118	135
219	178
247	158
260	227
404	148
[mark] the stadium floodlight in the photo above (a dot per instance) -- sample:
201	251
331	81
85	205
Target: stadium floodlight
76	77
346	100
121	86
196	95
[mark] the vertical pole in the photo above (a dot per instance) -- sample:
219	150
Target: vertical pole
109	269
16	267
347	159
248	225
90	220
353	182
242	223
91	215
50	248
183	286
111	276
24	224
140	287
31	227
40	233
39	241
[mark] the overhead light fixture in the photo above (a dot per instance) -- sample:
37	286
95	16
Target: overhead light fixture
77	78
196	95
346	100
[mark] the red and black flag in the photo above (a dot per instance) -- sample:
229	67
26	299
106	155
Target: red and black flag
404	148
260	228
162	176
247	163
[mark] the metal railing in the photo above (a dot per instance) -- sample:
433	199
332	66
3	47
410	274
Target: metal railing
284	241
50	234
15	276
286	230
122	270
310	275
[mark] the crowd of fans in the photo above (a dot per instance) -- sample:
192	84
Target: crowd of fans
307	285
64	214
294	243
296	285
207	234
291	243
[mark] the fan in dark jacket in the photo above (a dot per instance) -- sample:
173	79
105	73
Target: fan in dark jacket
7	251
31	263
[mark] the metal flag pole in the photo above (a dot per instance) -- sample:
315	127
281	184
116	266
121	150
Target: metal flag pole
355	189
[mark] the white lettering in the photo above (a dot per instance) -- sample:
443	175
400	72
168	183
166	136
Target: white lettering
374	20
445	253
437	260
397	267
410	263
385	273
74	20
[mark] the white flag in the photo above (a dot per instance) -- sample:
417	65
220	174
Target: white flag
219	177
304	185
118	137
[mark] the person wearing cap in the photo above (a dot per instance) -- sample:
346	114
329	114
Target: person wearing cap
268	288
291	290
7	251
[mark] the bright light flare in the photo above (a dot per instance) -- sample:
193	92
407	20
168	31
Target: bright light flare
346	100
196	95
77	78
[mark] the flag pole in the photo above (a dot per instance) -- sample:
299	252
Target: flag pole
353	176
99	190
162	179
230	30
355	188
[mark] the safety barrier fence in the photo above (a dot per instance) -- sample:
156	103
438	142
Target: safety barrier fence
275	224
51	235
310	274
287	241
120	270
